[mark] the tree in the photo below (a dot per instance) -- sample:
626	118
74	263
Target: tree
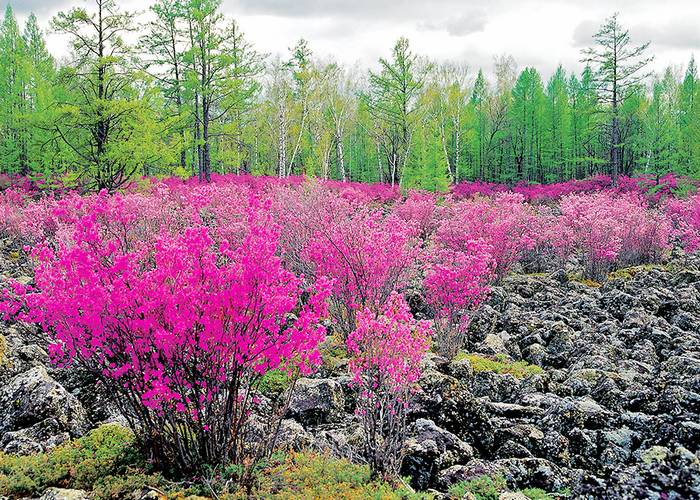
618	69
527	125
40	97
661	126
558	115
688	107
105	115
14	82
164	48
393	99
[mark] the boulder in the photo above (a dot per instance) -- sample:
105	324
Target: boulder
36	413
431	449
317	401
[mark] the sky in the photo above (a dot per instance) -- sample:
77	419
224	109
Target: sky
539	33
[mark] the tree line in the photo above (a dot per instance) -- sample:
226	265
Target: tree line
183	92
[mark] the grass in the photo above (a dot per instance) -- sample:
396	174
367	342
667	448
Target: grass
500	364
107	464
87	462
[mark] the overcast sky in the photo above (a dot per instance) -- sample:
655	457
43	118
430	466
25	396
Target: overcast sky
540	33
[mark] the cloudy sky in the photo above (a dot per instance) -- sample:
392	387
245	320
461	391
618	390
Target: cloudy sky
540	33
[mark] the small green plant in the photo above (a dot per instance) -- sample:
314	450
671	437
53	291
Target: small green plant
500	364
310	475
108	450
274	382
536	494
482	487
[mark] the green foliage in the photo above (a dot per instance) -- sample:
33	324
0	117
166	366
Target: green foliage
482	487
305	475
536	494
194	96
500	365
579	278
106	451
274	382
107	464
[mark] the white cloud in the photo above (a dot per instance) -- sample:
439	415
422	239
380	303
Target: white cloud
540	33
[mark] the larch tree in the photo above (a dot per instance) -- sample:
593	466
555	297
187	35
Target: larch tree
104	116
618	68
393	99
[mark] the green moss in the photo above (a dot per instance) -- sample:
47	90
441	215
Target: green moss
628	273
482	487
536	494
578	278
333	353
500	365
4	361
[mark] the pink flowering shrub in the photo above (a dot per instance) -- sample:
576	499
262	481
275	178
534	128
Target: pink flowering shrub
503	222
386	351
418	210
367	254
179	328
456	282
685	215
614	230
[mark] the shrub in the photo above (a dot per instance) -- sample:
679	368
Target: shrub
386	351
482	487
107	450
611	230
181	330
367	255
456	282
685	215
503	222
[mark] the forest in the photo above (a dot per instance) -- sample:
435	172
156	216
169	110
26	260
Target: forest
179	90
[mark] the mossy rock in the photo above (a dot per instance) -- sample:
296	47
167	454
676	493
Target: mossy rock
500	365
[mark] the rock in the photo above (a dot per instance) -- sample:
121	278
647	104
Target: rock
496	387
431	449
534	473
512	496
317	401
462	370
64	494
511	410
292	436
493	345
41	436
653	454
38	412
